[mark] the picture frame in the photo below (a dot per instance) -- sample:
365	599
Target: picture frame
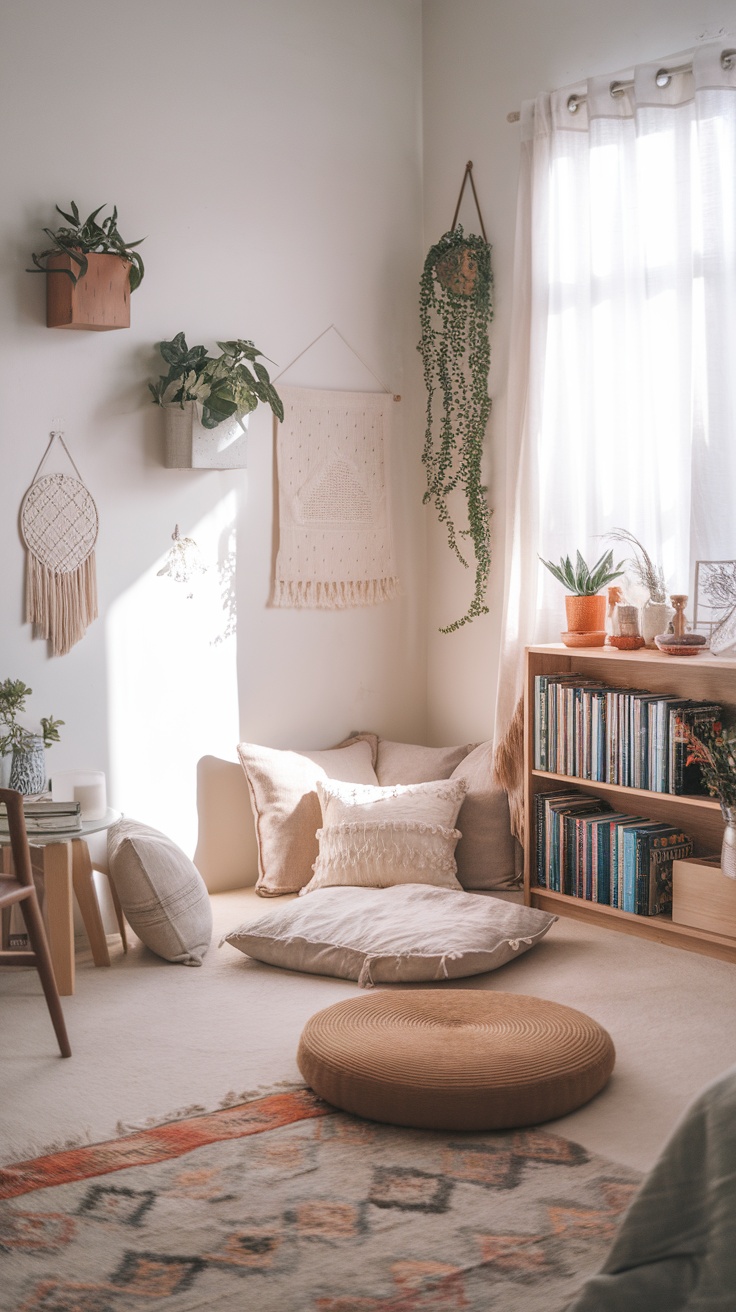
714	605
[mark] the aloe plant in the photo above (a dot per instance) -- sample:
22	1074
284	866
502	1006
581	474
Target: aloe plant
231	383
582	580
85	237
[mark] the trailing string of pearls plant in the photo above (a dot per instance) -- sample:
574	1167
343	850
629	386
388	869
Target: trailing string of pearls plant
455	311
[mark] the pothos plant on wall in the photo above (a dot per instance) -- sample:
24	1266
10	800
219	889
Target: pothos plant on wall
455	311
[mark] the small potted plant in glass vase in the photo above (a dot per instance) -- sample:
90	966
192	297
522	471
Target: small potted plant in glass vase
586	605
28	765
713	748
206	400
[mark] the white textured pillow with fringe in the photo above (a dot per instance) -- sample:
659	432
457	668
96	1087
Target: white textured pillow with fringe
407	934
374	837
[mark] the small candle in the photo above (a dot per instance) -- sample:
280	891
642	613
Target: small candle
92	799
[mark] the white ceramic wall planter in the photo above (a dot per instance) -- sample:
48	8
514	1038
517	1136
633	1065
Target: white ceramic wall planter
188	445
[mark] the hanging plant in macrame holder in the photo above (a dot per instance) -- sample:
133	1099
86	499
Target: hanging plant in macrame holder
455	311
59	524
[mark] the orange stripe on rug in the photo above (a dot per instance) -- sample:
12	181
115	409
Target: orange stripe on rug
163	1142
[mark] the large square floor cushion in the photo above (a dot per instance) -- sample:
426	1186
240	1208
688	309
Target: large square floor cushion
283	792
455	1059
405	934
162	893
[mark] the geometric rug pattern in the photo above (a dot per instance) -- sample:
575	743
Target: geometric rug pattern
283	1204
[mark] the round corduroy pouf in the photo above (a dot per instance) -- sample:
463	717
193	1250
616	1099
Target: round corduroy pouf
455	1059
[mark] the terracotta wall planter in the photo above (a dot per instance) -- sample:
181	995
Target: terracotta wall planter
586	614
97	302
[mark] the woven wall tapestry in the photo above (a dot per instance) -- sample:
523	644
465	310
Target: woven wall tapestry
335	541
58	521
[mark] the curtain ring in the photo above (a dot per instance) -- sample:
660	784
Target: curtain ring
727	59
663	78
617	89
573	104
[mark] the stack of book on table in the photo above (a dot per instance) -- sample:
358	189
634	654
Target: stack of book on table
45	817
586	849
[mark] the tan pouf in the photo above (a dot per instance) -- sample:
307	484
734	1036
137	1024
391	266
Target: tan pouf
455	1059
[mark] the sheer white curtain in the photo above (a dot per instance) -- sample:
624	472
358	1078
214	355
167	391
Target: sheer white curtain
622	386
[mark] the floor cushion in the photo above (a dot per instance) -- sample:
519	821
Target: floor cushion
410	932
454	1059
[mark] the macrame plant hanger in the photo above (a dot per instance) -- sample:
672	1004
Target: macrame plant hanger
59	525
457	270
469	174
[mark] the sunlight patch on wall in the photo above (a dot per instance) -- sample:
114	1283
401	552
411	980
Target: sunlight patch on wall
172	679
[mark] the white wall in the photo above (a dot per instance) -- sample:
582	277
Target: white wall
481	59
270	153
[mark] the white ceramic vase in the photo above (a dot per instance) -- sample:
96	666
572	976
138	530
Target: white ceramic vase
728	848
655	616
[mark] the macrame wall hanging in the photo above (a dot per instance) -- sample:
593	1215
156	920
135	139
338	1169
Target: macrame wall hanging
59	523
455	310
335	538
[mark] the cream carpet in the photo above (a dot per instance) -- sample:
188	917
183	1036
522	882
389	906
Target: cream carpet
151	1039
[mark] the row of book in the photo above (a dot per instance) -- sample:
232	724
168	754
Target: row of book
586	849
625	736
45	817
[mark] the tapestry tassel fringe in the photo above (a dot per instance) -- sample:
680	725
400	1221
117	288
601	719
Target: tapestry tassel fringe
309	593
61	605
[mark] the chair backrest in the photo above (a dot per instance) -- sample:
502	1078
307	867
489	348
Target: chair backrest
13	802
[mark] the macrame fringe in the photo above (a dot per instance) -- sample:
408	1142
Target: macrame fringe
309	593
508	769
61	606
351	845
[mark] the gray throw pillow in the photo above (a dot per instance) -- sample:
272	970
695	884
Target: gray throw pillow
162	893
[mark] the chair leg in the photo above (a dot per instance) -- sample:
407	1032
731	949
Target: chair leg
39	943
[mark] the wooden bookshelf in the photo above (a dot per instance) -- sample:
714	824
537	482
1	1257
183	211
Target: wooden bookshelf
703	678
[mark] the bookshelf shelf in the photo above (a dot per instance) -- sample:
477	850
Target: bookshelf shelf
704	678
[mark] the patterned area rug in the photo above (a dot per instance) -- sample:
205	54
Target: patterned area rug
282	1204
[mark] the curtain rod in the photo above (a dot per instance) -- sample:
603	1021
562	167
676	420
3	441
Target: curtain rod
663	77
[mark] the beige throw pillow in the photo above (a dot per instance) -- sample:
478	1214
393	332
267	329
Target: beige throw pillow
409	763
409	933
375	837
162	893
283	792
488	856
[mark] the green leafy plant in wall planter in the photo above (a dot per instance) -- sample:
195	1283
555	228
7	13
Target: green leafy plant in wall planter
91	271
28	771
211	390
455	311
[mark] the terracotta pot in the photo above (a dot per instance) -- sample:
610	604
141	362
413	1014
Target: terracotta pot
586	614
457	271
98	302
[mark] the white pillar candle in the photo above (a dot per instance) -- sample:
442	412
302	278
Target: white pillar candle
91	797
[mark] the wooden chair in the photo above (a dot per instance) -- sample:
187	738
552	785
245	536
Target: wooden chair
20	888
